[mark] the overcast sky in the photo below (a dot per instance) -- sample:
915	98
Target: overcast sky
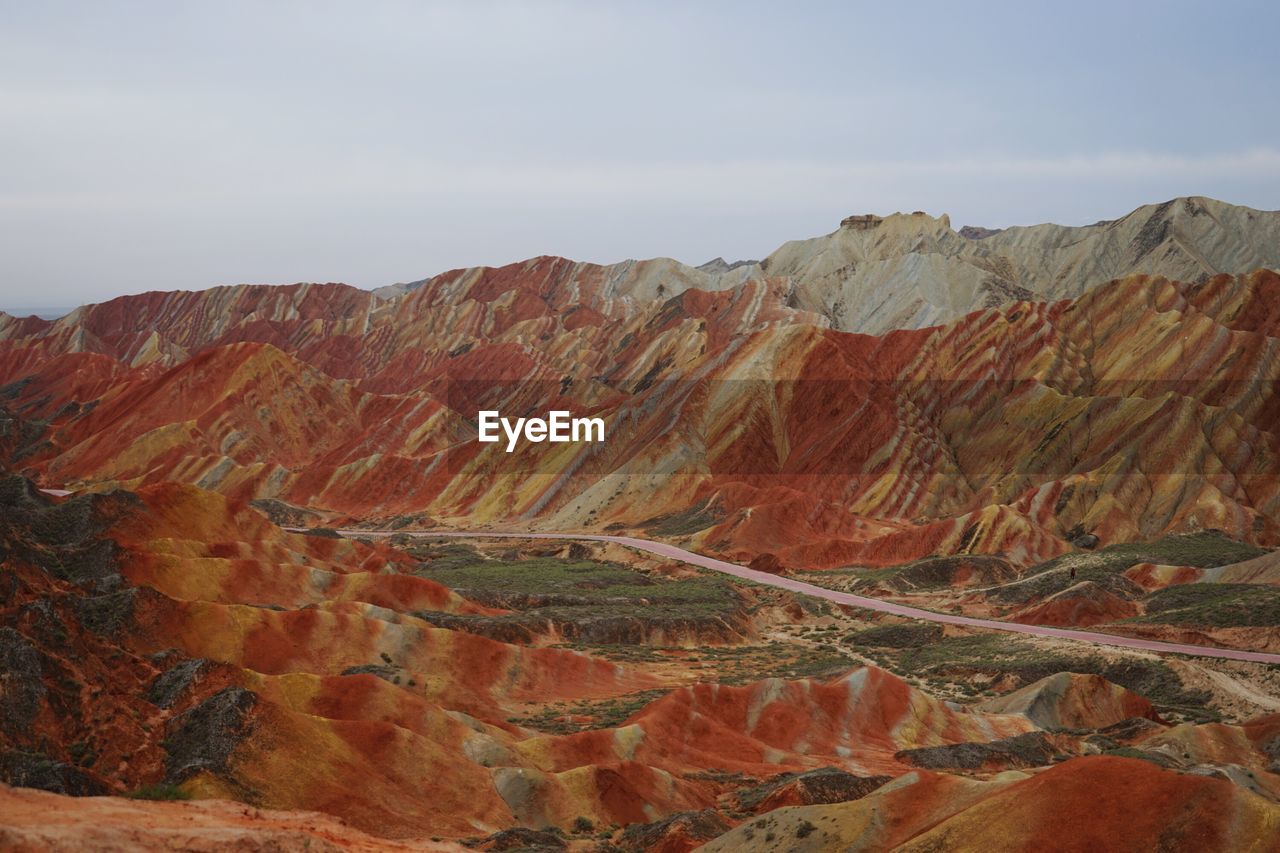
174	145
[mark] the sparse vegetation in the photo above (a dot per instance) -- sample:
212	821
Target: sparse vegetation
901	636
160	791
1203	550
588	714
698	517
588	601
1216	605
1000	657
553	581
740	664
440	553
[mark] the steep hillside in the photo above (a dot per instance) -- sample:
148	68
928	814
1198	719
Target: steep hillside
172	644
1144	407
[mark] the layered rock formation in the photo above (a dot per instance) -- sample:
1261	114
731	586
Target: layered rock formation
895	390
172	643
1143	407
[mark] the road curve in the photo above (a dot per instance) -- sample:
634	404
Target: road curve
671	552
663	549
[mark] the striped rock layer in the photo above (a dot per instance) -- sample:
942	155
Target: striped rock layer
1142	407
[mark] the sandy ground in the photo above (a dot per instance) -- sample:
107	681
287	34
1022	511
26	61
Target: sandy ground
1239	691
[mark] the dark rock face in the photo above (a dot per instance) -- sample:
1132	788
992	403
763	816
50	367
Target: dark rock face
524	839
34	770
65	539
768	563
814	787
171	684
94	566
21	688
690	826
1085	541
16	491
204	737
997	291
77	699
977	232
1033	749
283	514
106	615
1135	728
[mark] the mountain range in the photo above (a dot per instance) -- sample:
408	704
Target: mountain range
230	573
738	414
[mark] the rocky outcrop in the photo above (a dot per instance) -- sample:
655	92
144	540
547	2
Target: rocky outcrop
35	770
22	687
675	834
203	738
1070	700
1032	749
881	451
812	787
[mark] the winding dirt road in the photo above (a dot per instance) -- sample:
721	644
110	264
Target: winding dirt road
663	549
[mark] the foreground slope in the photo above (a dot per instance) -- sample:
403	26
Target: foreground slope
174	642
1098	803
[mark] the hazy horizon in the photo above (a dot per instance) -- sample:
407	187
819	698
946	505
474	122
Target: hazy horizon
51	311
152	146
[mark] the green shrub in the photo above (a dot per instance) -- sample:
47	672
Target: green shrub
160	791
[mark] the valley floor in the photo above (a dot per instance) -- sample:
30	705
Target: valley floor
310	690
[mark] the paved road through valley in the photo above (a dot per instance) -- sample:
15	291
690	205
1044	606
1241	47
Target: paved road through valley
671	552
663	549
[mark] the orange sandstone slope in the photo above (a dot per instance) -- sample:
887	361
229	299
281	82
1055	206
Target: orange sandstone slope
173	636
138	654
1142	407
1092	803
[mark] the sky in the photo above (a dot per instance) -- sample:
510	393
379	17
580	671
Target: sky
182	145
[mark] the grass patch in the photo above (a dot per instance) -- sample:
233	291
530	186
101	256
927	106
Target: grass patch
906	635
1219	605
443	554
737	665
998	656
1204	550
582	586
594	713
159	791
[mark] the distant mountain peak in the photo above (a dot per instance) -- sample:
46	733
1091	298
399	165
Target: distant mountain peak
716	266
